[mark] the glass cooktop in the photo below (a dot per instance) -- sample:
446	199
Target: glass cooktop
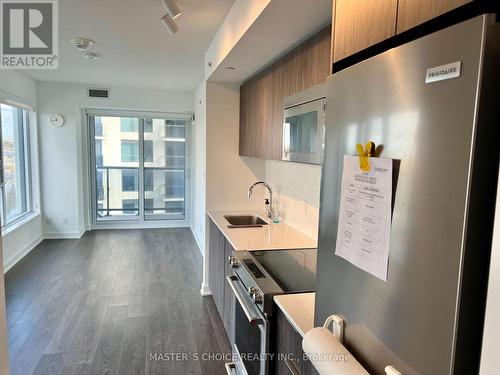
293	270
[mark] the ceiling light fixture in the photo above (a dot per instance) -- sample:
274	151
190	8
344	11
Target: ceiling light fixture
170	24
172	8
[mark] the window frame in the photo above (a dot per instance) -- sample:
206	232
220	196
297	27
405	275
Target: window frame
143	220
28	113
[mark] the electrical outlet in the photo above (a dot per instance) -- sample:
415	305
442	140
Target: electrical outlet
64	220
48	220
303	207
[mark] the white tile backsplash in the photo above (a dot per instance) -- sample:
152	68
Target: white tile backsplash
297	191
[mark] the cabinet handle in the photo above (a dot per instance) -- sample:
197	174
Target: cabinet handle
230	368
291	367
252	319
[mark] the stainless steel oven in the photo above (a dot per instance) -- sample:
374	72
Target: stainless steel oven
304	126
251	337
258	277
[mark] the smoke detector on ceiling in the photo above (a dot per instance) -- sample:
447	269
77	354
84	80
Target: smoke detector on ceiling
82	44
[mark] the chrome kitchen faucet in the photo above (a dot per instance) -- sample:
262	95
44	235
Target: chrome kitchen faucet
268	202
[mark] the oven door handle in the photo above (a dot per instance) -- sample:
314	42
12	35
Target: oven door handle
252	319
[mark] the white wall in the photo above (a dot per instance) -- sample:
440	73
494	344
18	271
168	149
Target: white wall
19	241
23	238
238	20
200	155
228	176
296	189
63	151
490	360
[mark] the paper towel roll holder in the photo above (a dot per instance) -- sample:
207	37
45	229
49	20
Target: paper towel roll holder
337	326
338	331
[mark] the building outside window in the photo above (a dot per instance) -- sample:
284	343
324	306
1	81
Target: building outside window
129	180
148	151
98	127
15	191
130	151
149	205
98	152
148	180
129	125
148	126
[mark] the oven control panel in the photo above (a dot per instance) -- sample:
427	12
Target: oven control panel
252	267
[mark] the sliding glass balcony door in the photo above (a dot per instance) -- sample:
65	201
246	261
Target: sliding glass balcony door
140	167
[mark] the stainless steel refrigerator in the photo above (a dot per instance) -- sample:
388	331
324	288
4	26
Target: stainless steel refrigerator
440	126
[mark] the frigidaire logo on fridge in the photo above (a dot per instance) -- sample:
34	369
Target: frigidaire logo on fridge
29	34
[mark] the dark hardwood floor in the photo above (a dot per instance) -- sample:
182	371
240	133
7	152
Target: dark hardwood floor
109	302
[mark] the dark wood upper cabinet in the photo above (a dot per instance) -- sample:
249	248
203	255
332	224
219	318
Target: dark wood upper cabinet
262	96
414	12
359	24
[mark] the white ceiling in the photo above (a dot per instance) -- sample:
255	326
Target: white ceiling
282	25
137	50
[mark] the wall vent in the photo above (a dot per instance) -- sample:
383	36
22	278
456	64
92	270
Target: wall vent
98	93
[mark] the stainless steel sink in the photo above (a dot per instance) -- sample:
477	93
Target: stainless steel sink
244	221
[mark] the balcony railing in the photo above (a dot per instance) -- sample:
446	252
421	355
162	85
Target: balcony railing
172	190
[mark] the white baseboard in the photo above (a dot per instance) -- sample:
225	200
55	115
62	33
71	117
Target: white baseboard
64	235
205	290
153	224
21	253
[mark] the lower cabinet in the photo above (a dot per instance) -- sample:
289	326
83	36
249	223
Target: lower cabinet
219	252
229	297
216	279
290	358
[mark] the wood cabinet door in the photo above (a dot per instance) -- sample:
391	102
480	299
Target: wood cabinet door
262	97
360	24
229	298
414	12
216	265
249	129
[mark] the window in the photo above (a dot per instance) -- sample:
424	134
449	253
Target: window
176	206
98	153
148	126
149	205
148	180
148	151
100	185
98	127
129	180
129	125
130	151
15	193
128	186
130	206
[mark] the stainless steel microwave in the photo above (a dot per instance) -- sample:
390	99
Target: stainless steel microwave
304	126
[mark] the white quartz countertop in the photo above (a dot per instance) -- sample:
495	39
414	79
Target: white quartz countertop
298	309
268	237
